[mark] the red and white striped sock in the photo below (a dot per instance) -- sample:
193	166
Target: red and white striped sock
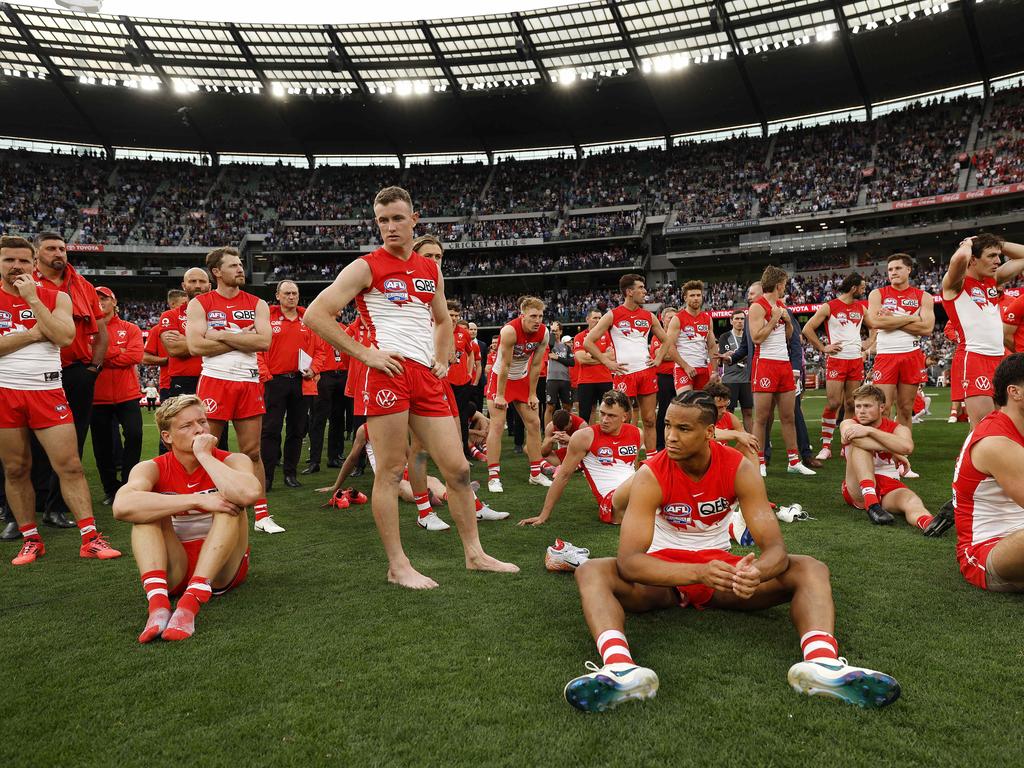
613	647
546	465
534	468
760	458
476	453
87	527
155	585
199	592
869	492
422	502
30	532
924	521
828	427
494	471
794	458
261	510
818	646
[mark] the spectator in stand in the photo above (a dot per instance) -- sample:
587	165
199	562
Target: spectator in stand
116	399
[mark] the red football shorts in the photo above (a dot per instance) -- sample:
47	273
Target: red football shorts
956	379
697	595
883	485
604	508
973	560
844	370
975	373
772	376
638	383
34	408
230	400
416	390
192	552
680	379
516	390
450	394
900	368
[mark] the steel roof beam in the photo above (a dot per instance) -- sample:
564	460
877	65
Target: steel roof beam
851	57
638	67
741	67
979	50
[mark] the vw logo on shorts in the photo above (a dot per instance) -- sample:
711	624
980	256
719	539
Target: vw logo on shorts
982	382
386	398
210	404
621	386
766	383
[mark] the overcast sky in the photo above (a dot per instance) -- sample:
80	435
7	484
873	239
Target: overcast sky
307	11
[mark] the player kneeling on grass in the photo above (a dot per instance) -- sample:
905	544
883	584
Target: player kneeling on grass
876	450
608	452
190	528
988	489
672	552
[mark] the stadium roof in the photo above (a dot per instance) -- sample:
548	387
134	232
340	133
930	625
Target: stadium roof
590	72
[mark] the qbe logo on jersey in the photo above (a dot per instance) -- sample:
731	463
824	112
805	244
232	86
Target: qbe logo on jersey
27	314
396	290
628	451
243	314
423	285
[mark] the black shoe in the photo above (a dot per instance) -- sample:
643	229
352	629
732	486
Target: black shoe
291	482
312	469
517	448
879	516
57	519
357	472
335	463
11	530
943	521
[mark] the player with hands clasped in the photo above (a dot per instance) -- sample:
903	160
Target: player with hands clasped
673	551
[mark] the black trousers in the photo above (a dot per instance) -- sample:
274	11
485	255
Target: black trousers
164	394
79	385
328	413
666	391
285	404
126	418
590	395
465	400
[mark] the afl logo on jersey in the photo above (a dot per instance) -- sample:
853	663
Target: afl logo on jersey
890	303
423	285
677	514
978	296
216	319
396	290
605	455
5	320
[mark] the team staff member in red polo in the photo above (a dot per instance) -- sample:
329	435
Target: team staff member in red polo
116	400
155	352
328	407
290	360
183	367
81	362
460	371
666	377
594	378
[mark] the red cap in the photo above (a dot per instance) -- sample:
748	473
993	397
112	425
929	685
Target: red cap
103	290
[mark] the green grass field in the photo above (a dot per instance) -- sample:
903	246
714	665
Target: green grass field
317	660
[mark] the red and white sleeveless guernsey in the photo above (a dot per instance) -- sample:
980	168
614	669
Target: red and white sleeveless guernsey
905	302
985	513
692	342
775	347
517	385
694	514
195	524
629	332
234	315
843	327
884	463
609	462
396	307
37	365
976	311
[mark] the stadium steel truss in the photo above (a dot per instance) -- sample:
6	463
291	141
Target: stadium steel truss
586	72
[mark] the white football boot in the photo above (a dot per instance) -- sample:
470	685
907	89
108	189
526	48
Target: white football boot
835	678
486	513
267	525
608	686
494	485
432	522
563	556
541	479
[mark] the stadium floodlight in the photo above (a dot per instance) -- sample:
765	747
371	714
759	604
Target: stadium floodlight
824	34
184	86
421	87
149	84
403	88
662	64
276	89
680	60
81	6
622	71
566	76
647	65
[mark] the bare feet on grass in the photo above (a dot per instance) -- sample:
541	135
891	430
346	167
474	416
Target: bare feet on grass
410	578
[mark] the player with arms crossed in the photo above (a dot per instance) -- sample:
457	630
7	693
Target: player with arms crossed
988	489
633	371
844	352
771	373
513	381
971	295
901	313
608	452
189	528
673	552
690	336
35	322
876	449
400	297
